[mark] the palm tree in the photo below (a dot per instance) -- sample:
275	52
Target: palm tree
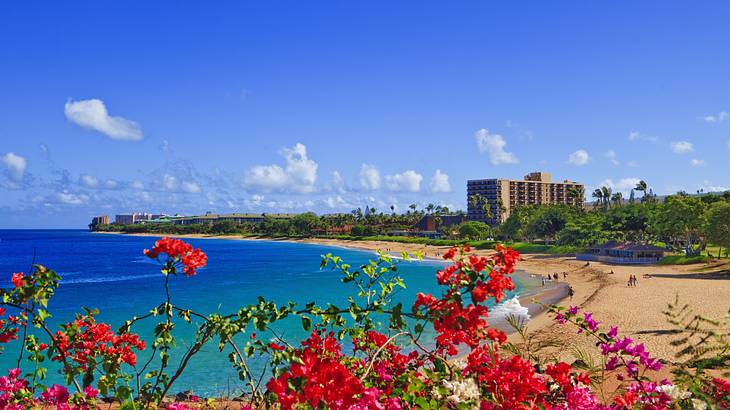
642	187
574	194
617	198
598	194
606	196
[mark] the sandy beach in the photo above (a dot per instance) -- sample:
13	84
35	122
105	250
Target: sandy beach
602	289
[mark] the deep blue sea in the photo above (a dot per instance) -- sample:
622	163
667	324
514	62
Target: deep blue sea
109	272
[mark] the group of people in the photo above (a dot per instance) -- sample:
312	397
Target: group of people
554	276
633	281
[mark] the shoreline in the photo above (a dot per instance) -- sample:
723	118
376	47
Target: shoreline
599	288
534	299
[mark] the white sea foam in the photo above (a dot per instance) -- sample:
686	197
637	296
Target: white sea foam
510	307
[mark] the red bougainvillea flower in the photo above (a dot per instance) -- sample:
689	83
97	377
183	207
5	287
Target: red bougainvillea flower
178	251
323	380
83	340
512	382
18	279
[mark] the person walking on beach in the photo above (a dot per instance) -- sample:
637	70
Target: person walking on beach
630	280
543	282
555	276
565	275
571	292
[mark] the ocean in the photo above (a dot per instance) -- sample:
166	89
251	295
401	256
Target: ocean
110	272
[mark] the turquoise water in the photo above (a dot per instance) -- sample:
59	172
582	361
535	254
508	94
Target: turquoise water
109	272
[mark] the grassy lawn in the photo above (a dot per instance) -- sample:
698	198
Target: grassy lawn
683	260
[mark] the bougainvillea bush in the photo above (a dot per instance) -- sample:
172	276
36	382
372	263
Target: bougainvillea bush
352	358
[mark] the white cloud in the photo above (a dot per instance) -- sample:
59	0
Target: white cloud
623	185
716	118
299	175
15	166
409	181
89	181
190	187
440	182
111	184
696	162
92	114
637	136
681	147
169	183
632	163
338	183
611	155
579	158
337	202
369	177
136	184
266	177
301	170
493	145
68	198
93	182
708	186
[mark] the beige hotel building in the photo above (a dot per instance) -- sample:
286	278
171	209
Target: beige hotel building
504	195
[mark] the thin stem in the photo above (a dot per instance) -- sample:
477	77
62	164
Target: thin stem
377	352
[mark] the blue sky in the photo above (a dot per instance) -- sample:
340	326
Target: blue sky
290	106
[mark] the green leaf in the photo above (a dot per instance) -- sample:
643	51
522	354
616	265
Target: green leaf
306	323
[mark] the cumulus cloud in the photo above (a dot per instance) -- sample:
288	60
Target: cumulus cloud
579	158
681	147
190	187
338	182
716	118
15	166
369	177
301	170
637	136
440	182
623	185
611	155
299	175
68	198
409	181
92	114
266	177
696	162
493	145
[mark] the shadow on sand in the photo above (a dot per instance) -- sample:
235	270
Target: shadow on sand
719	275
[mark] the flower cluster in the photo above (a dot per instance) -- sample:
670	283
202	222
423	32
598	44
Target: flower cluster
16	393
619	352
320	377
9	327
178	251
84	340
512	382
480	277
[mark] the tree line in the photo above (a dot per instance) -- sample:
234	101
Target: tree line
680	222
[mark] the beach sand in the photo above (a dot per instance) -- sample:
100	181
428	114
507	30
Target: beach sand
637	311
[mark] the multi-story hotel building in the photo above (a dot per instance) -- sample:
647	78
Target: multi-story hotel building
501	196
